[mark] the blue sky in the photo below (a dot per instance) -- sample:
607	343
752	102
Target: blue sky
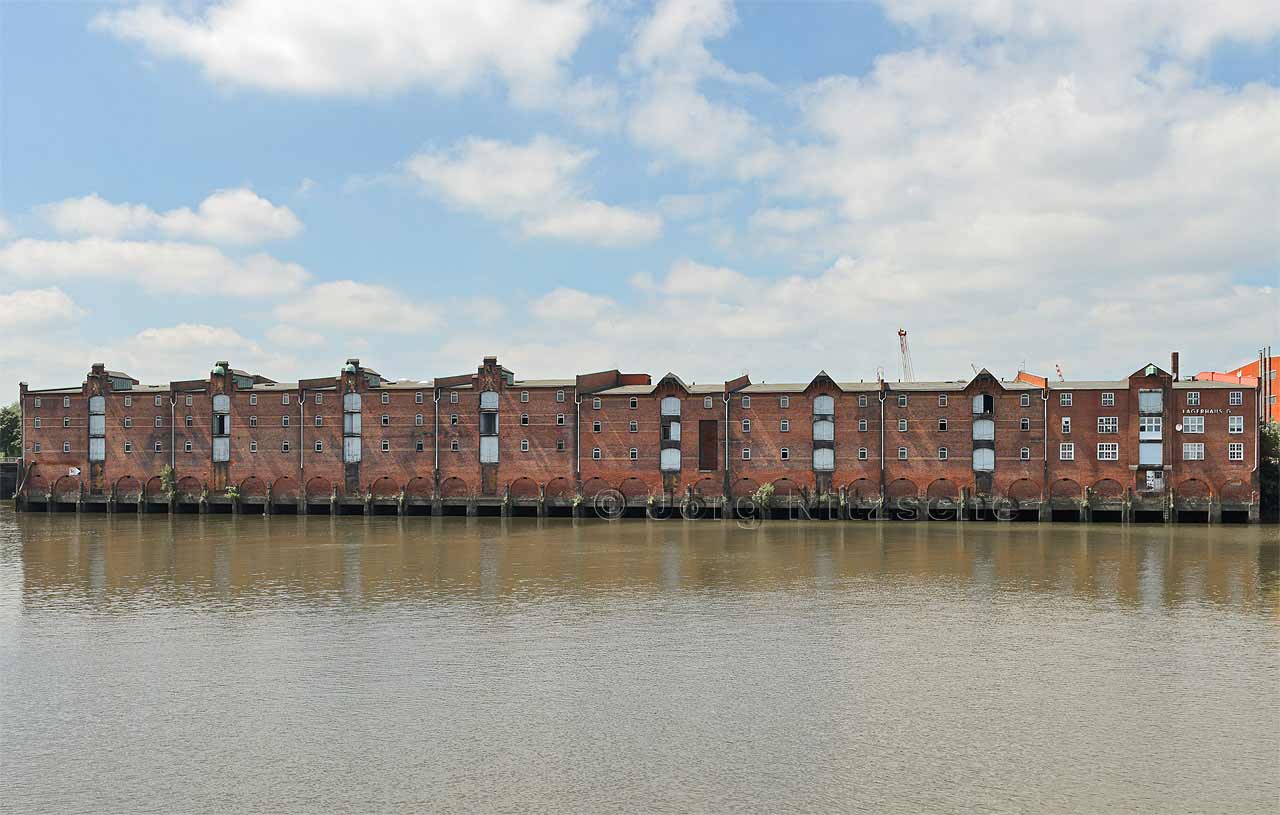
772	188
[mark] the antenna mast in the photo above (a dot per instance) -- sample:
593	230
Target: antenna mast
908	371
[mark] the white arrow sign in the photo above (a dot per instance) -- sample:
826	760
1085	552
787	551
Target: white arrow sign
73	471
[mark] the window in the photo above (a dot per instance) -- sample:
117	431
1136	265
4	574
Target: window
784	402
38	401
284	398
1108	424
128	447
319	421
595	453
984	460
634	427
984	429
1150	427
417	420
746	425
128	421
419	446
784	454
559	445
188	400
942	400
595	403
524	445
902	454
559	396
253	421
1067	451
66	446
746	453
253	447
1108	451
984	403
902	425
1066	424
284	421
386	446
1193	398
824	405
902	400
66	421
524	419
453	397
159	421
1192	424
1024	423
253	398
66	401
524	396
128	402
1025	454
1235	451
1108	399
824	430
633	403
1150	454
746	401
1235	398
1024	400
942	425
862	400
1064	399
284	446
37	423
784	426
595	426
862	454
707	403
417	398
36	449
1193	451
320	398
560	419
634	454
453	446
862	424
453	419
319	447
942	454
1235	424
186	447
385	398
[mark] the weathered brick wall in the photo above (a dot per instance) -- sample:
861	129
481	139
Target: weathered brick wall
615	469
523	472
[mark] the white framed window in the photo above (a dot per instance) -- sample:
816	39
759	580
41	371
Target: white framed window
784	402
1025	454
66	401
253	421
559	445
385	398
1235	398
284	421
128	421
157	400
862	424
1193	451
189	422
1064	399
66	421
524	445
560	419
320	398
128	447
862	400
453	420
942	425
128	401
1235	451
595	403
453	397
1066	424
66	446
37	403
417	398
1108	451
1108	399
1150	427
419	446
595	453
36	447
386	420
862	454
319	447
524	419
707	403
1024	400
746	401
36	421
942	454
784	426
902	400
1024	423
1108	424
559	396
902	454
386	446
453	446
186	447
634	454
1235	424
1192	424
902	425
633	403
784	454
746	425
1067	451
417	420
634	426
189	400
253	447
284	398
284	447
942	400
746	453
159	421
1193	398
595	426
253	398
524	396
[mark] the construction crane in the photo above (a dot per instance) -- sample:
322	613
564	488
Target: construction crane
908	371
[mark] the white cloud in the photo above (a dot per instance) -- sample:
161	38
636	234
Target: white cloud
27	308
6	228
293	336
571	305
350	305
788	220
302	47
534	184
189	350
158	267
236	216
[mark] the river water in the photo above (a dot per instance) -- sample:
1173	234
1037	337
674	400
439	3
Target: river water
285	664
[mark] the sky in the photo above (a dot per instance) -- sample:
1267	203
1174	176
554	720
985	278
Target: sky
772	188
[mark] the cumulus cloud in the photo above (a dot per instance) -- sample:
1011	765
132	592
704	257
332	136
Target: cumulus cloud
158	267
349	305
236	216
28	308
6	228
536	185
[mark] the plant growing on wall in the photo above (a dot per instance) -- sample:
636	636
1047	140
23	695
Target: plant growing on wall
763	496
10	431
168	482
233	493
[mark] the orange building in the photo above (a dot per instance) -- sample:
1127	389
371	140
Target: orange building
1248	375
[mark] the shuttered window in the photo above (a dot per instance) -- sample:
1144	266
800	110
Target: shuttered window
824	459
824	430
351	449
222	448
984	460
824	405
670	406
489	400
984	430
97	449
670	460
488	449
97	425
221	403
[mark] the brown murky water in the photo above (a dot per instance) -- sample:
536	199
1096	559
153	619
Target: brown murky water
349	664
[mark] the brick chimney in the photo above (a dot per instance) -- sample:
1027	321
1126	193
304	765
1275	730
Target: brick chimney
1173	365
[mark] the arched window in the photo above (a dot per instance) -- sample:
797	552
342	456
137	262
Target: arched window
984	459
984	430
824	430
670	406
824	405
489	400
984	403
